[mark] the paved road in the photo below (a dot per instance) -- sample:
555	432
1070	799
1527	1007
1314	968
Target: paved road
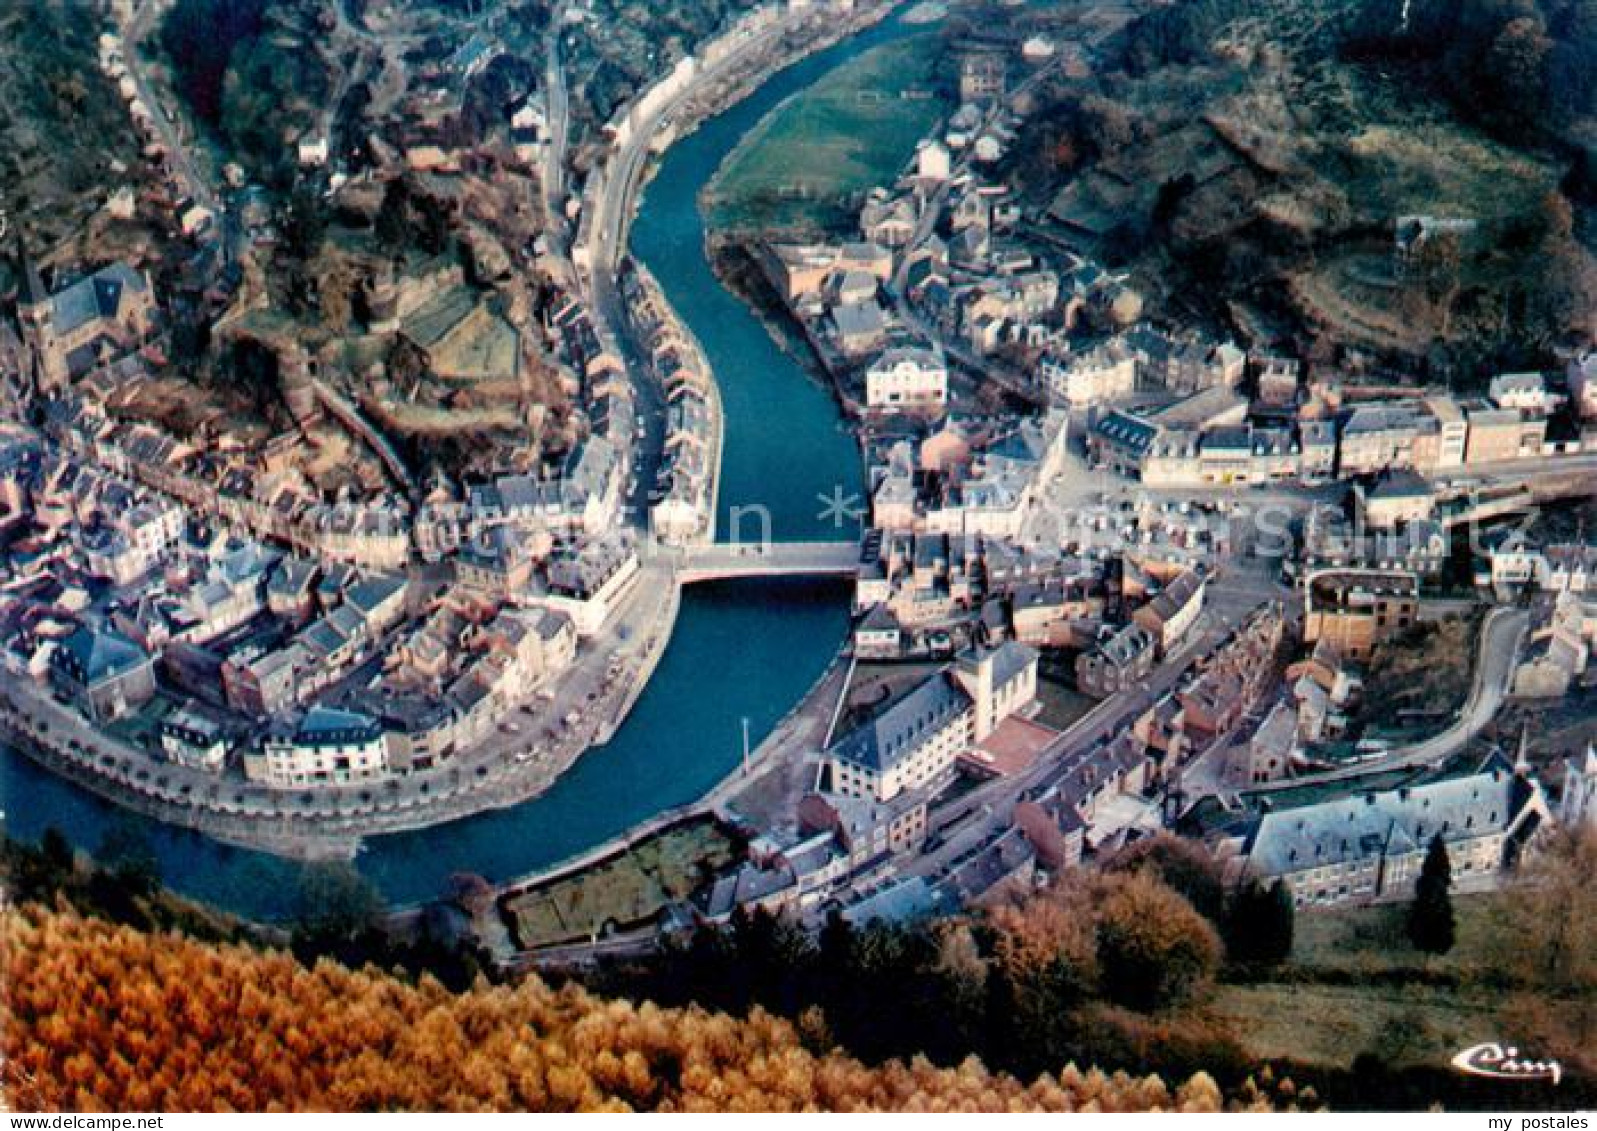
798	559
134	33
558	107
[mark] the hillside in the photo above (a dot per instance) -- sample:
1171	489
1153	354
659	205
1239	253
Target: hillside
100	1017
1250	162
65	138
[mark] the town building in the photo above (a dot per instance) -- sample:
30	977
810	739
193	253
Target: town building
1378	438
93	321
907	378
1118	664
1526	392
1358	609
1171	614
1370	846
981	76
1577	800
1093	377
328	747
916	740
102	672
1494	434
194	740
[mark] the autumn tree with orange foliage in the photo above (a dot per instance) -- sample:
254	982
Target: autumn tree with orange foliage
98	1017
1126	937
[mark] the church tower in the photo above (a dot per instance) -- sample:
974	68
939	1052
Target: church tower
36	314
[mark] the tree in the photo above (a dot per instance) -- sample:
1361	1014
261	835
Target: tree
57	852
127	856
1430	918
1258	928
1155	952
335	907
1181	864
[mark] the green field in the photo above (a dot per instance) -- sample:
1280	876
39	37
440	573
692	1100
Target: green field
624	891
807	162
1353	987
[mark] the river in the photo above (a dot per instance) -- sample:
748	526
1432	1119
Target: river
763	643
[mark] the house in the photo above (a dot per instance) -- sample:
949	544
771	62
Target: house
1558	648
1121	442
932	161
1527	392
1582	377
1357	609
1274	745
1092	377
1075	805
800	271
264	683
312	151
590	583
1378	438
1049	611
1278	379
193	740
103	672
328	746
907	377
1495	434
878	636
1172	612
1577	800
290	591
1117	664
1398	499
981	76
860	328
866	829
1443	438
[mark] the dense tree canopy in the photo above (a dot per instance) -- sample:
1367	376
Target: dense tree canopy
99	1017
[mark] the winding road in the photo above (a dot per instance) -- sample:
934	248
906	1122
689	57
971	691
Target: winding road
1502	634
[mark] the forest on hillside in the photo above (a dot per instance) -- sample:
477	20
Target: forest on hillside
1249	162
103	1017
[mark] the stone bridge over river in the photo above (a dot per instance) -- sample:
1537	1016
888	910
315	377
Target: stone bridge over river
722	560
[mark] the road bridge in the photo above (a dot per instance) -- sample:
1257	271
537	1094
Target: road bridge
719	561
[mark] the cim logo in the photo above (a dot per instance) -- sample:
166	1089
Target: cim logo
1495	1062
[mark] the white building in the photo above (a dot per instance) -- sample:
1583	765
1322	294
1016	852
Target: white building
329	747
933	162
193	740
591	585
907	377
1093	377
1525	391
312	151
915	741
